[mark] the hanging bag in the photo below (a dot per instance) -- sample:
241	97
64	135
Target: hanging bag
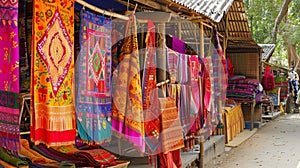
268	81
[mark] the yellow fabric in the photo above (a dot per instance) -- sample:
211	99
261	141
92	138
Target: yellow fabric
53	113
234	122
6	165
34	156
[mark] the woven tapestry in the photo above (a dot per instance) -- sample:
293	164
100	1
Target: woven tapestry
127	108
93	68
53	113
9	72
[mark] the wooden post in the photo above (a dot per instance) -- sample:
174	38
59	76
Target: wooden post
201	155
161	54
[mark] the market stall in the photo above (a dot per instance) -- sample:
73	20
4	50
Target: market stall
90	76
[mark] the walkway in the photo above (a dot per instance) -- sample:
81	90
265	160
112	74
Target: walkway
275	145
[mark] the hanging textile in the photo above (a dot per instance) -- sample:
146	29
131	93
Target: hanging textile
194	69
127	107
173	60
208	80
222	58
220	79
93	68
202	89
171	133
194	101
150	94
183	70
52	113
219	60
9	72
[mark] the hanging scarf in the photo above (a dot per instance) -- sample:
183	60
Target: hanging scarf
93	96
150	94
207	83
9	72
173	64
127	108
52	113
183	70
194	69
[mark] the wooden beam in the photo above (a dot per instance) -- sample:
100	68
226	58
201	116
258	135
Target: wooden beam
96	9
155	5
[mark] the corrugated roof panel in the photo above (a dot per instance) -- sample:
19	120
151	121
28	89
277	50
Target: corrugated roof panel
268	50
210	8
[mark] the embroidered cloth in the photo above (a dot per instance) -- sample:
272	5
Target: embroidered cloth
53	112
93	68
9	72
150	94
127	108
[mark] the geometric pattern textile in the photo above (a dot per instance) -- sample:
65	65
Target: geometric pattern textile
9	72
93	68
53	113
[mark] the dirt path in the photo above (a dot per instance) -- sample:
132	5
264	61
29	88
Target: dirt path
275	145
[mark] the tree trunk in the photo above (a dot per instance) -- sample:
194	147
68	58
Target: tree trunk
279	18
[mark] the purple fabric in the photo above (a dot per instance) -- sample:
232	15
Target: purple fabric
9	72
240	91
245	81
178	45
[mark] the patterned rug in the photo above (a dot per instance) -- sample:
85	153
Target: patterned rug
9	72
53	112
93	79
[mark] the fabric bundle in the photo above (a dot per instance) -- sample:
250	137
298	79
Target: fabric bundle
244	89
53	113
11	159
93	76
70	154
9	72
34	156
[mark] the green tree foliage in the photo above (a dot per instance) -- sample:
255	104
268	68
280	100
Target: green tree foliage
261	17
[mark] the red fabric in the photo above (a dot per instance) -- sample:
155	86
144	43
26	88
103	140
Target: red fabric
230	67
170	160
268	81
53	136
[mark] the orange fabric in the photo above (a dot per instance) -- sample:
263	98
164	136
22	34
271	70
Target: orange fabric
34	156
53	113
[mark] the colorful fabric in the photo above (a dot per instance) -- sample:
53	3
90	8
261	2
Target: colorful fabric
253	82
94	156
53	113
34	156
150	94
171	133
170	159
207	83
183	71
195	92
59	156
93	91
185	108
9	72
127	108
178	45
173	61
222	58
13	160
